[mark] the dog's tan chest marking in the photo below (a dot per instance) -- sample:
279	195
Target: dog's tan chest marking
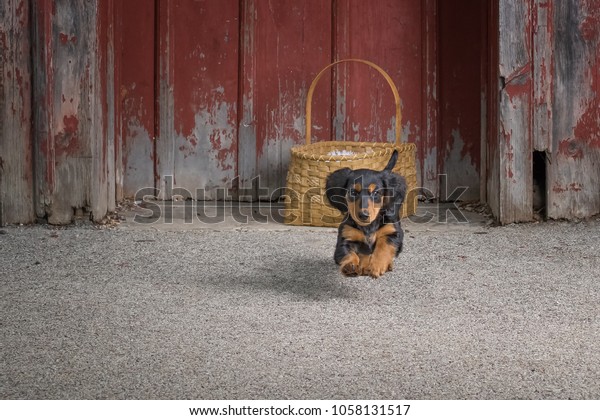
352	234
355	235
382	232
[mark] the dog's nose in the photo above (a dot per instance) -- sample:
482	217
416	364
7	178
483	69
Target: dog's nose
363	214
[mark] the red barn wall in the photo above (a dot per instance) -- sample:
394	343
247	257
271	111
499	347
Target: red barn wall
101	99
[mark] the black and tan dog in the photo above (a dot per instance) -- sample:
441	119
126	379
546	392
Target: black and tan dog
370	237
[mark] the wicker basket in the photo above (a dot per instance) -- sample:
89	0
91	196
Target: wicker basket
311	164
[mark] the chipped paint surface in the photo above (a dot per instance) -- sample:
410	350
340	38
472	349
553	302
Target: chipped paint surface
515	193
206	158
137	154
135	93
198	97
290	45
549	101
391	36
543	38
460	95
70	49
16	154
460	169
70	46
230	97
246	114
276	63
574	175
587	127
427	151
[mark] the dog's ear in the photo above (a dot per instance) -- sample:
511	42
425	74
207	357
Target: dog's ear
394	194
336	188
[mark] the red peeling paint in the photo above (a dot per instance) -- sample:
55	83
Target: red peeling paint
204	59
189	148
66	143
590	26
574	186
509	173
22	13
43	94
516	86
460	90
222	153
391	35
588	125
64	38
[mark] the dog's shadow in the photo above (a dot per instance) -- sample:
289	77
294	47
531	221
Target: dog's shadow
304	278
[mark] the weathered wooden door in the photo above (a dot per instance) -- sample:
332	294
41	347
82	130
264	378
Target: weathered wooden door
213	93
231	77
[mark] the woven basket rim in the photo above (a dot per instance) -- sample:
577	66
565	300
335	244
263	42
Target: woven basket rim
305	151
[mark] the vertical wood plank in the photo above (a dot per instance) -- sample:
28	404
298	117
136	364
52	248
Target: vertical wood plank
108	70
515	111
71	51
428	150
574	171
43	92
74	108
247	160
292	43
460	92
16	155
492	174
204	89
136	93
70	129
100	103
165	150
115	87
542	74
485	99
390	35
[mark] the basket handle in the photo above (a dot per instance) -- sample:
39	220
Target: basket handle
373	65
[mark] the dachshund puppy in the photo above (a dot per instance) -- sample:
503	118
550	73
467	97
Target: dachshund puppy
370	236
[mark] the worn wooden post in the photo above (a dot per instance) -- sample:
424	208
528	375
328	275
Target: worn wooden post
70	119
16	169
515	111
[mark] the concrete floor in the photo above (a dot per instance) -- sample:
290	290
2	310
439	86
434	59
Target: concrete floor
259	311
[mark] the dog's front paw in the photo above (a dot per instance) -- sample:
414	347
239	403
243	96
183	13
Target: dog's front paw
350	265
378	267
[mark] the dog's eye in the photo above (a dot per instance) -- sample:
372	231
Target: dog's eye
376	193
353	193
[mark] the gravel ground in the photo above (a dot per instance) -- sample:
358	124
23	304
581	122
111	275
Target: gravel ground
492	313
